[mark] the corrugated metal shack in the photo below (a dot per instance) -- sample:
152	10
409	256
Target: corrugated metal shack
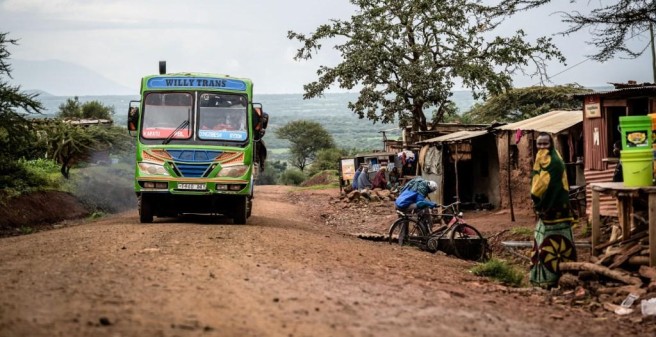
465	165
601	111
516	153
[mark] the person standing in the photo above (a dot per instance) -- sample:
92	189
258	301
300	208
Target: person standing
553	242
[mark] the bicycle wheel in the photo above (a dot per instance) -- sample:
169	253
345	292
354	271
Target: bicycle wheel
468	243
406	232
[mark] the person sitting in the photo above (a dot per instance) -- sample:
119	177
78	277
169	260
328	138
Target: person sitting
394	178
415	191
355	178
363	179
380	181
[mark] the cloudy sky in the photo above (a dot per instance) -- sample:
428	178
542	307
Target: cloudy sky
123	40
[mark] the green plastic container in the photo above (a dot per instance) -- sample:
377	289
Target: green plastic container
636	132
637	167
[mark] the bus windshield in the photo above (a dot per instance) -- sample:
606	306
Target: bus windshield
222	117
164	113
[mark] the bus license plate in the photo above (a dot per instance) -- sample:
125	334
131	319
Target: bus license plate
194	187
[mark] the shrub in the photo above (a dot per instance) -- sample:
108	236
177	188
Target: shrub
18	177
500	271
292	177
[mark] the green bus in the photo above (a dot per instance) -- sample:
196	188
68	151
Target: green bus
198	145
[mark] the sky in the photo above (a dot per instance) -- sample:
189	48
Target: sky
123	40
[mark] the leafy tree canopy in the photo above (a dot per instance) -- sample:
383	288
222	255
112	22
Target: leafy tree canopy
407	56
327	159
306	138
16	138
71	144
611	23
73	109
522	103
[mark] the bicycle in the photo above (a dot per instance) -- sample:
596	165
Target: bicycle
456	237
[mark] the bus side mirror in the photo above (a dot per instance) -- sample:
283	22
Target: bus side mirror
133	118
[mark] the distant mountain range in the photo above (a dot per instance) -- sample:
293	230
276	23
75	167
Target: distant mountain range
61	78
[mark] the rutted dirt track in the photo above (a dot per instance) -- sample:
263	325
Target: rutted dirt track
285	273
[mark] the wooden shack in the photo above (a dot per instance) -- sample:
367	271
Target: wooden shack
516	153
601	112
465	166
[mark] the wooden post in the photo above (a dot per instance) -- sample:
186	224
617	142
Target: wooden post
456	168
510	202
652	229
596	219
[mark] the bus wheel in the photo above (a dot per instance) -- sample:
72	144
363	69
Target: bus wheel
145	209
241	211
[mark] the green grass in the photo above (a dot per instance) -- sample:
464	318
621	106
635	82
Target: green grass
501	271
317	187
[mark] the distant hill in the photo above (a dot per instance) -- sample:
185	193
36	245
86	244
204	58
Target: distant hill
61	78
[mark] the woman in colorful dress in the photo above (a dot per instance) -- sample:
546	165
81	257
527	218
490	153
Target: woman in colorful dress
553	233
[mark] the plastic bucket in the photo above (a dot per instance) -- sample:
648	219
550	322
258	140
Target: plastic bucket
637	167
636	132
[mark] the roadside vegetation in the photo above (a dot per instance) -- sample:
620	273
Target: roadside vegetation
39	154
501	271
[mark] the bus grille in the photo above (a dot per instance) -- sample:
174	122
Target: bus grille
194	155
192	170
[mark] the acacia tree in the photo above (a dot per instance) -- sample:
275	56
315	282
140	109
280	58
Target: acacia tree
522	103
306	138
73	109
407	56
611	26
16	138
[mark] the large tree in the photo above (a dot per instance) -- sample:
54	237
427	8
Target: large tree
406	56
16	136
306	138
612	24
522	103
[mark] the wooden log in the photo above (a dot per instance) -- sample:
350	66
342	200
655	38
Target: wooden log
625	255
613	274
638	260
634	237
648	272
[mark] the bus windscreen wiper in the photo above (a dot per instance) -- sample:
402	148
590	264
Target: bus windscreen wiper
184	123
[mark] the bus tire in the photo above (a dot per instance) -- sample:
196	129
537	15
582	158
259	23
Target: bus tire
145	209
241	211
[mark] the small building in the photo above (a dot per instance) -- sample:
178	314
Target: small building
601	111
516	153
465	166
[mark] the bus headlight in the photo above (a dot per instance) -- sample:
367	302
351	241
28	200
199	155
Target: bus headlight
153	169
233	171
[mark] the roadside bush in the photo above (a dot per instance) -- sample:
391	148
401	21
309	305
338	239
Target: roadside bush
292	177
18	177
501	271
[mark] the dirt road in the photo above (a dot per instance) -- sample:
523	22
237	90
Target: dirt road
282	274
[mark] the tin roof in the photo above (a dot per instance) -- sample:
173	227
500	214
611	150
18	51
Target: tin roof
455	137
638	90
550	122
